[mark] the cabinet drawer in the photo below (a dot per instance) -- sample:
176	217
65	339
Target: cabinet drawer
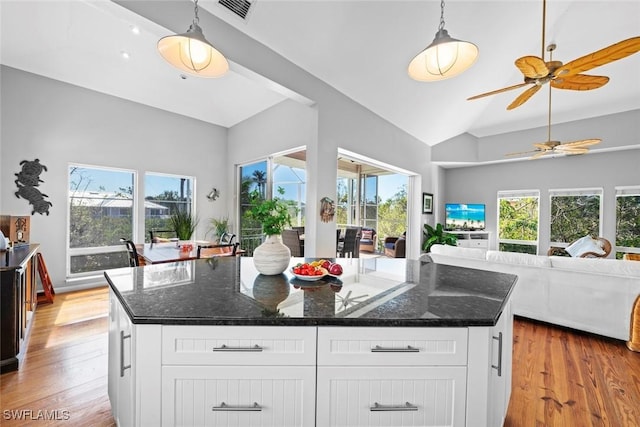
238	345
477	243
238	396
391	396
392	346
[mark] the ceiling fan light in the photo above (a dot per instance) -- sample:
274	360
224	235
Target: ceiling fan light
444	58
192	53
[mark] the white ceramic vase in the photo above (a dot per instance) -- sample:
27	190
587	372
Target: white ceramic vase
272	257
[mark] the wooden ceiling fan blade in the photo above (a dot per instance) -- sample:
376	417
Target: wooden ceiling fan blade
611	53
532	67
493	92
545	145
519	153
524	97
579	144
573	151
540	154
579	82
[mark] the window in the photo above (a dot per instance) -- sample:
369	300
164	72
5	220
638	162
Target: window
574	214
627	220
253	177
101	211
518	213
164	195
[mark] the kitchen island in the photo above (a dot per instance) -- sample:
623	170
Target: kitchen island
389	342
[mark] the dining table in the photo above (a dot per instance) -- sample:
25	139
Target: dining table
157	253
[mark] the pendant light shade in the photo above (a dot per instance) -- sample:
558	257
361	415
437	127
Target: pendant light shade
445	57
192	53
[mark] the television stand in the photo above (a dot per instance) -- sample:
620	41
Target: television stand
472	239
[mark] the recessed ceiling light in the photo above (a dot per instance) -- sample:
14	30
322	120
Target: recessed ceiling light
125	55
135	29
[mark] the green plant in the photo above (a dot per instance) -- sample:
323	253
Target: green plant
273	213
219	226
436	235
184	224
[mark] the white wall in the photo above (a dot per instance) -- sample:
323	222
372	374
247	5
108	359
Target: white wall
62	124
480	184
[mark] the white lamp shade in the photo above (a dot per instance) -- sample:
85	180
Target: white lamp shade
444	58
192	53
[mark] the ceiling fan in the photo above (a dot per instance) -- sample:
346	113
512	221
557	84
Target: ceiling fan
537	72
557	147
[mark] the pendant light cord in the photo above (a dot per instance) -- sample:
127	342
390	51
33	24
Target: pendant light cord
196	20
441	26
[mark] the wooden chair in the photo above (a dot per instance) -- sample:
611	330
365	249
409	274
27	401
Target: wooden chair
291	239
631	257
155	238
132	252
217	250
395	247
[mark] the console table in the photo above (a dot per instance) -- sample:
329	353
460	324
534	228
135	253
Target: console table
18	300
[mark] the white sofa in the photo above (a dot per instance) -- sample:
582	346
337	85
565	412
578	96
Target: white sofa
590	294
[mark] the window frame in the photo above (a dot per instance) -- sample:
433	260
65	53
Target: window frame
192	205
512	194
568	192
622	191
71	252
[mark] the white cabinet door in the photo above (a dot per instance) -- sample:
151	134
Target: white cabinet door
391	396
238	396
114	353
126	396
500	380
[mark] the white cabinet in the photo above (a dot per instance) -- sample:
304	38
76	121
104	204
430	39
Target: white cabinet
121	365
472	239
388	396
392	376
275	396
308	376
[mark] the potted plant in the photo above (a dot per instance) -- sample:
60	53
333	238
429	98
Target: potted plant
184	224
272	256
437	235
219	226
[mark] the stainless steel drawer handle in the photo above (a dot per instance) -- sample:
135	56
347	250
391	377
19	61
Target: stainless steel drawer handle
224	407
406	407
224	347
122	365
407	349
498	367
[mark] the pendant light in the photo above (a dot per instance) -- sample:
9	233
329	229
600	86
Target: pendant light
192	53
445	57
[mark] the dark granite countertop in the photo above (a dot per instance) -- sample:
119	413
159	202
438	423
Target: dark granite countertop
370	292
17	257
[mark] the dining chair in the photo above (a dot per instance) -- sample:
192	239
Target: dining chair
132	252
154	238
291	239
229	249
350	245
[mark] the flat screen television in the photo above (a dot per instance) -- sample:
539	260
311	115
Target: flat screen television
464	216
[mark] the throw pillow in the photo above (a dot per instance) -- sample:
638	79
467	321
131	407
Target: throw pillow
583	245
367	234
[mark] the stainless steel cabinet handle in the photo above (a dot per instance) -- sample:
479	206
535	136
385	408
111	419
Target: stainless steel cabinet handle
122	366
224	407
498	367
406	407
224	347
407	349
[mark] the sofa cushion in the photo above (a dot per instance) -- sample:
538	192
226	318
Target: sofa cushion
583	245
517	258
605	266
460	252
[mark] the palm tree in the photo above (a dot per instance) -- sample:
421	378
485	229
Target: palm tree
260	177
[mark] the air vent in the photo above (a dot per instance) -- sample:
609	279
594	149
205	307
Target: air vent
239	7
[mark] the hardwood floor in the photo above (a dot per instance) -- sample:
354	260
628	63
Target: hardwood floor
560	377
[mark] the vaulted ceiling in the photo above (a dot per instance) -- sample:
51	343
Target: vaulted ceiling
362	48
